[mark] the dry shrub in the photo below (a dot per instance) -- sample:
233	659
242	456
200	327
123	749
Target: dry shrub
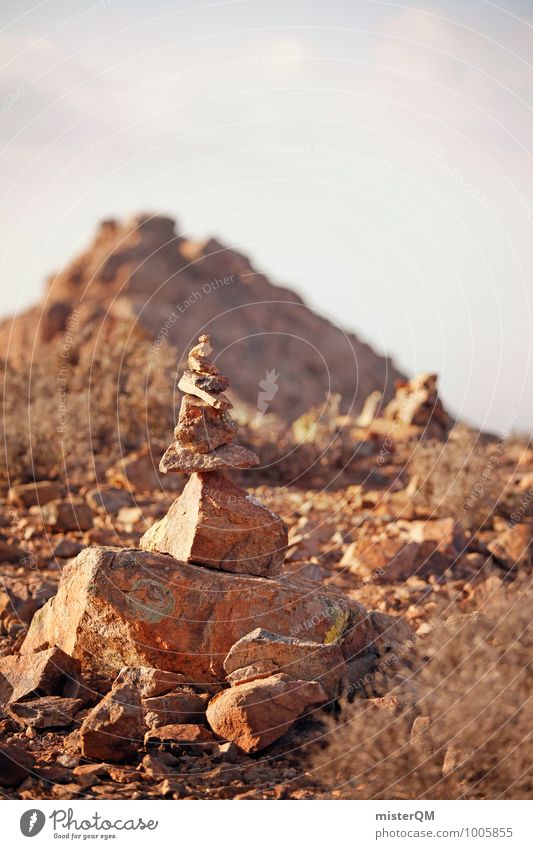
462	477
117	398
474	682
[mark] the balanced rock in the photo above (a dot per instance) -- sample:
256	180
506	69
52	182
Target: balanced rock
261	654
216	523
202	428
179	459
135	608
255	714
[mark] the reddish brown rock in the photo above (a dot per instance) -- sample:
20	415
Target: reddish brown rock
191	384
198	358
28	494
19	599
202	428
216	523
194	737
46	712
16	764
115	728
513	548
261	654
149	682
256	714
177	459
134	608
70	514
180	707
49	672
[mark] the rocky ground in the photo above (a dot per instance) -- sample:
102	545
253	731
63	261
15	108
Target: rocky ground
368	529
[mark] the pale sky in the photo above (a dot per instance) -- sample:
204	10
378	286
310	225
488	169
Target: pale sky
375	156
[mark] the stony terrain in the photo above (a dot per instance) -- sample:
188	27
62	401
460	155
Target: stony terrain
375	582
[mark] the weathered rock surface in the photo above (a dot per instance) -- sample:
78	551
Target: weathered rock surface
134	608
109	499
16	764
201	428
192	384
261	654
28	494
255	714
180	707
70	514
49	672
149	682
196	738
513	548
216	523
115	728
46	712
177	459
20	599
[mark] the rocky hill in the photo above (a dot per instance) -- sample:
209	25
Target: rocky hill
142	274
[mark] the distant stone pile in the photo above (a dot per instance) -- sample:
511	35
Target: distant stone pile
416	402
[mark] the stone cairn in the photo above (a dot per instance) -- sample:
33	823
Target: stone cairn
196	638
214	522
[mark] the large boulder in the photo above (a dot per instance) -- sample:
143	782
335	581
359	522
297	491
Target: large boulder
216	523
117	608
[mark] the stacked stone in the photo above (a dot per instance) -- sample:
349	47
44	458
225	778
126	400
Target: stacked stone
214	522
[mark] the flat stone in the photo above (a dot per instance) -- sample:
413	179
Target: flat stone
109	499
201	427
46	712
195	737
256	714
117	608
149	682
177	459
216	523
261	653
181	707
189	384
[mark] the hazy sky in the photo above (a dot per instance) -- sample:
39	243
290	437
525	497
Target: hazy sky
375	156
